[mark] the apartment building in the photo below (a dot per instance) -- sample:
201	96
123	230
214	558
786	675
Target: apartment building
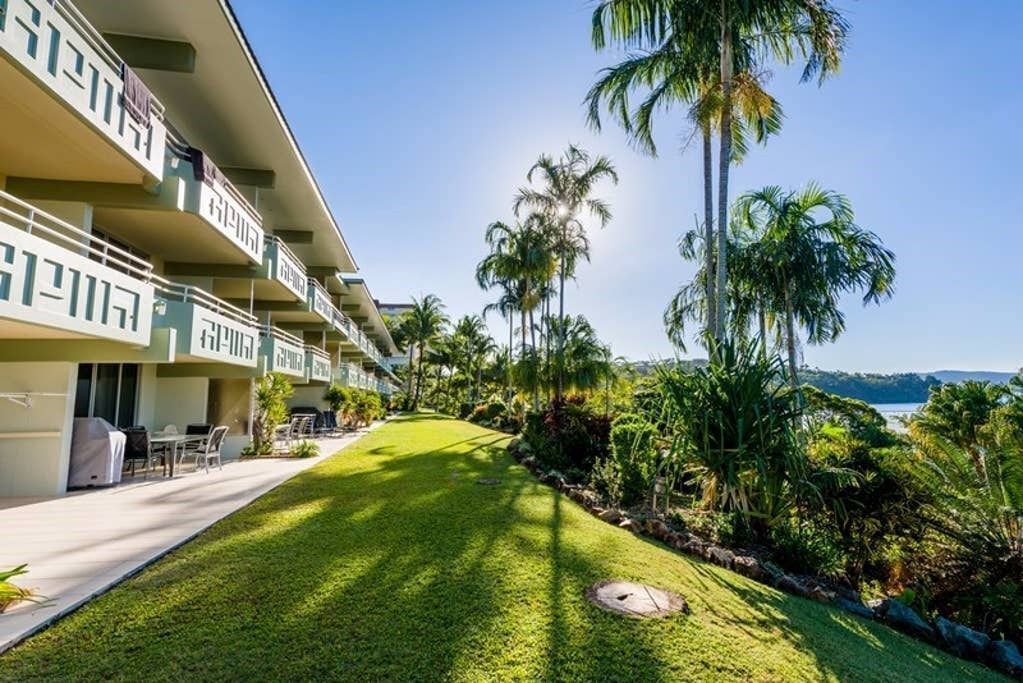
163	242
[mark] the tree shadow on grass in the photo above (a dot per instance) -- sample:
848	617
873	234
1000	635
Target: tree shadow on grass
399	566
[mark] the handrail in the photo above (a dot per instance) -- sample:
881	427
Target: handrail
192	294
96	41
77	239
281	246
180	147
280	335
317	351
320	288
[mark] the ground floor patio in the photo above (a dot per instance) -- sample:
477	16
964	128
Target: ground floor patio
82	543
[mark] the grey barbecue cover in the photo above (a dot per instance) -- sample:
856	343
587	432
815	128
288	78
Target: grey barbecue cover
97	453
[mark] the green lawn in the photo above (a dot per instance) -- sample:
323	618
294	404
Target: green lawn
388	561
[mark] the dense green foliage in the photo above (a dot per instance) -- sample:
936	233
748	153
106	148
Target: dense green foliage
271	392
389	562
354	407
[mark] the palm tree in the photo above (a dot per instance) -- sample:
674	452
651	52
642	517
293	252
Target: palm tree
669	76
807	252
731	32
566	192
427	320
474	345
521	263
956	414
587	361
400	327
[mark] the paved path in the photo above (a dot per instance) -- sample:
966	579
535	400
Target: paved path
84	543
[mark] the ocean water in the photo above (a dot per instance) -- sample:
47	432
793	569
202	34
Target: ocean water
894	412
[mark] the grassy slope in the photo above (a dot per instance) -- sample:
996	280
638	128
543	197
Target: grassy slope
390	562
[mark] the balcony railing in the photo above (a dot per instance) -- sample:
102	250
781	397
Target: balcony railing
219	204
52	41
281	264
58	276
317	364
208	327
344	325
319	301
284	352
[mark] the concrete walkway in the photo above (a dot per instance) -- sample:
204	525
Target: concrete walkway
82	544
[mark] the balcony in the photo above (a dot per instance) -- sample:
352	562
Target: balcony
63	85
344	325
283	352
218	204
282	266
317	365
208	329
319	301
351	375
59	282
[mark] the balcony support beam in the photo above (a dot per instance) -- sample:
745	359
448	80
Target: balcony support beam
153	53
97	194
264	179
217	270
267	305
160	350
298	237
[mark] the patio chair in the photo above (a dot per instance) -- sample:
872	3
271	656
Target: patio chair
190	448
282	434
301	427
137	448
211	450
330	427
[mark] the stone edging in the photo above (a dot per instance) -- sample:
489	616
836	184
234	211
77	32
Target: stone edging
956	639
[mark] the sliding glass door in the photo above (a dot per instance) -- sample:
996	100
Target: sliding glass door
107	390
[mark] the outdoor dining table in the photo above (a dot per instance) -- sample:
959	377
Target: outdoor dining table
174	440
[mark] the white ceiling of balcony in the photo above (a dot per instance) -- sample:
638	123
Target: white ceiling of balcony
358	294
226	108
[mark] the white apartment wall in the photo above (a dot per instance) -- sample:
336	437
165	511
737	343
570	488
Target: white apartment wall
77	214
35	442
311	395
180	401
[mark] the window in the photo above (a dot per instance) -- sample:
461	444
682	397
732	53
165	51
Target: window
107	390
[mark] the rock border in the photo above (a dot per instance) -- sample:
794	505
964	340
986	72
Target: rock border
958	640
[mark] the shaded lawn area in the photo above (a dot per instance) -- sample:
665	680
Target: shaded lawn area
388	562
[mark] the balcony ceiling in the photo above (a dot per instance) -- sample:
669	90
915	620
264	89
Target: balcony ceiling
357	293
226	108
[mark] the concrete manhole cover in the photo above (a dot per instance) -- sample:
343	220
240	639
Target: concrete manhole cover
635	599
488	481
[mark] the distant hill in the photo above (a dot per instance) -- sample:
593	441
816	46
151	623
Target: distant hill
952	376
903	387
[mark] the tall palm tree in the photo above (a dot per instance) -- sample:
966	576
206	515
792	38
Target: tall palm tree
521	262
588	362
809	251
474	344
565	194
507	304
733	31
427	322
671	75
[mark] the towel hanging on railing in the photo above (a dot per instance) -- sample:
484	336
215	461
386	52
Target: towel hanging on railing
135	96
203	167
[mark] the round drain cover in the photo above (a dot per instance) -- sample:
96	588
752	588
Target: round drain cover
635	599
488	481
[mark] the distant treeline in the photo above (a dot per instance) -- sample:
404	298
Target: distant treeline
872	388
898	388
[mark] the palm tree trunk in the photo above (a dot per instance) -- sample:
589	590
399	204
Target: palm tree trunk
411	368
532	341
419	376
762	321
708	228
561	323
547	344
511	335
790	338
723	167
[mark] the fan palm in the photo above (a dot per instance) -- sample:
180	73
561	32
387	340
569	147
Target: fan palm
567	186
956	413
807	252
724	34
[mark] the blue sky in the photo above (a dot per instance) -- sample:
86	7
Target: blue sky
421	119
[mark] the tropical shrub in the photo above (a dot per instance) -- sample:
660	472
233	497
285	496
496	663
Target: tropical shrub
271	392
974	523
568	435
732	425
305	449
633	460
806	549
955	413
859	419
341	401
10	593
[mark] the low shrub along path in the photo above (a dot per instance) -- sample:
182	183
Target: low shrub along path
389	561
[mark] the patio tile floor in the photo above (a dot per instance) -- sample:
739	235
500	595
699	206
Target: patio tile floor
82	544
